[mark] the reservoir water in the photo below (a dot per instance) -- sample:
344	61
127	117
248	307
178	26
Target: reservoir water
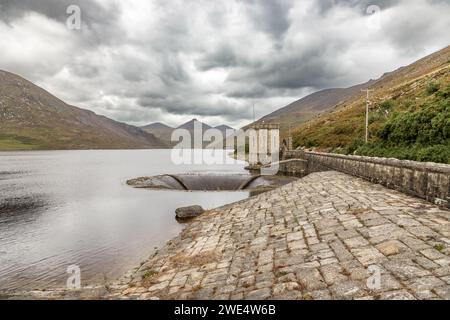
63	208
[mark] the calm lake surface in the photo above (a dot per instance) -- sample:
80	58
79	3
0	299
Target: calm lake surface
62	208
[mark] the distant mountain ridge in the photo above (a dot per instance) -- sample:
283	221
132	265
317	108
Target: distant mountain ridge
164	132
157	125
224	128
160	130
32	118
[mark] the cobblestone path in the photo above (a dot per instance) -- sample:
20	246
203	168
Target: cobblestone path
326	236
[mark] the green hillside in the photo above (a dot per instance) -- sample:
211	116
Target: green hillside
409	116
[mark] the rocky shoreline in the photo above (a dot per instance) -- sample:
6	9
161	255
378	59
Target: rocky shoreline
317	238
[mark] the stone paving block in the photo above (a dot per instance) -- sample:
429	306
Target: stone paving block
425	283
310	279
356	242
405	269
341	252
347	234
443	292
333	273
397	295
317	295
433	254
260	294
389	248
368	255
347	290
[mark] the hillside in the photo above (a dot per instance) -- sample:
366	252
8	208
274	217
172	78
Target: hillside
310	106
32	118
409	116
159	130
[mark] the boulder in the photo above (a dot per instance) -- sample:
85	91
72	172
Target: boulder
188	212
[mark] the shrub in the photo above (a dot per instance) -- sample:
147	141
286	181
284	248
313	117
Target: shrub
437	153
387	105
310	143
354	145
432	88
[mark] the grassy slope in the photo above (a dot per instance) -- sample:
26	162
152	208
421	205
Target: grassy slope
308	107
400	96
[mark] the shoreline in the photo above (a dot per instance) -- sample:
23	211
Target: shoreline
102	291
314	238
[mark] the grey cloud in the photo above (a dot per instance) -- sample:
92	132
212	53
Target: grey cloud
270	16
323	6
92	12
84	70
195	106
166	65
222	57
249	91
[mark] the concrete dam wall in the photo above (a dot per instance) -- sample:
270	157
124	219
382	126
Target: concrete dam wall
429	181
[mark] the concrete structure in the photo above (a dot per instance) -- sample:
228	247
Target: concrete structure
264	143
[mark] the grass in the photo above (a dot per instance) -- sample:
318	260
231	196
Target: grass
280	274
149	274
13	143
198	260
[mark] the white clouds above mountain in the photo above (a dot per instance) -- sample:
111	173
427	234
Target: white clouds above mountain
142	61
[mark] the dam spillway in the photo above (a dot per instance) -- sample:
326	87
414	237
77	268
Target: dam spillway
210	182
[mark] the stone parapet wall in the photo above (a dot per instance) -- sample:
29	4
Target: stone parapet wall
292	167
429	181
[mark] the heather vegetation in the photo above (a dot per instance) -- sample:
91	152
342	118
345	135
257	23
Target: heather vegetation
409	118
414	132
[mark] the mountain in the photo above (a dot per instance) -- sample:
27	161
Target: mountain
409	116
32	118
190	125
224	128
310	106
164	132
157	125
159	130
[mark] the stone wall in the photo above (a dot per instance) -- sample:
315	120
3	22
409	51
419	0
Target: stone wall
429	181
293	167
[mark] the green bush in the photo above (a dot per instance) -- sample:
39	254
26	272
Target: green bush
310	143
354	145
421	134
444	93
437	153
432	88
387	105
428	125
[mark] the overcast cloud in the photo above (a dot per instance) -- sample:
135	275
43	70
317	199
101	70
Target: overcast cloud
142	61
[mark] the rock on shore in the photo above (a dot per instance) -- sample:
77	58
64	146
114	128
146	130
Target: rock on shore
190	212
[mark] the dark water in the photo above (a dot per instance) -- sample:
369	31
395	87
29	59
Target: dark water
62	208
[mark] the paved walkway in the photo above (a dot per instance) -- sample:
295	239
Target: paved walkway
326	236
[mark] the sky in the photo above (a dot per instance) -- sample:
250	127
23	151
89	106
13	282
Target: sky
144	61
